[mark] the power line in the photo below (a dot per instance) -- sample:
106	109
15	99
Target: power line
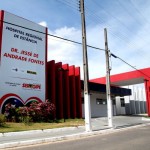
129	12
96	18
122	35
140	13
130	65
75	42
69	3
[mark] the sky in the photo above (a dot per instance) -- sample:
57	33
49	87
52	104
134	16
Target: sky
127	23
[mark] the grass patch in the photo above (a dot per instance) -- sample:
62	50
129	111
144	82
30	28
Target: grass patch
15	127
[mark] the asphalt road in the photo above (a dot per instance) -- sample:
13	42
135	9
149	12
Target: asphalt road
128	139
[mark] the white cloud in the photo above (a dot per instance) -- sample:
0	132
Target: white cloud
132	48
43	23
65	51
128	38
135	51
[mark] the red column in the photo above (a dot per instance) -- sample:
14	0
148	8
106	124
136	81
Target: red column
78	93
51	90
66	95
72	91
147	90
59	91
46	48
1	29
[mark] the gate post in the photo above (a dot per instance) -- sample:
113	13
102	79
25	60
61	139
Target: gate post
147	90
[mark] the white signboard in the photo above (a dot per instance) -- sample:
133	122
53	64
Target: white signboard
22	61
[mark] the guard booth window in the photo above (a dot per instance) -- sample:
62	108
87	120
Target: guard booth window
122	101
101	101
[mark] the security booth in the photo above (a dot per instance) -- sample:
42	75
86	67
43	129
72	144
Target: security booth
98	98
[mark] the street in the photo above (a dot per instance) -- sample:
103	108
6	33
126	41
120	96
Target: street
131	139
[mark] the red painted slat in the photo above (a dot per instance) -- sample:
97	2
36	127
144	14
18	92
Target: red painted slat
51	90
66	95
78	93
59	91
72	91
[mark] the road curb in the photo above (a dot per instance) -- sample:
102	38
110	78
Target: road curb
51	139
40	131
66	137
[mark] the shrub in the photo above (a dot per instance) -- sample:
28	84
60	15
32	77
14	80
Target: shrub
24	116
38	112
11	112
2	120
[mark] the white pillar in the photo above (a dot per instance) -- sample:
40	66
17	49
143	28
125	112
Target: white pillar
109	111
87	108
138	99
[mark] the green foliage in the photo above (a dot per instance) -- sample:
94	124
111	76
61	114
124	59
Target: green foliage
27	120
2	120
36	112
11	113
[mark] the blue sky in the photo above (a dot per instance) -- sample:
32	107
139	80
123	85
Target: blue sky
127	23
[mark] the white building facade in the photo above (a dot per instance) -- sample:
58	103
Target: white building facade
126	105
134	104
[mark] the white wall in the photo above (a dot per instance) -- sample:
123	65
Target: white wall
98	110
136	103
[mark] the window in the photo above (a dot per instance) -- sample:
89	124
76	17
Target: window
101	101
113	101
122	101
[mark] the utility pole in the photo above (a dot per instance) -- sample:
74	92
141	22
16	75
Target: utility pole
109	101
87	105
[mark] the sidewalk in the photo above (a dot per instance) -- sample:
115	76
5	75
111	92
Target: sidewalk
99	126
